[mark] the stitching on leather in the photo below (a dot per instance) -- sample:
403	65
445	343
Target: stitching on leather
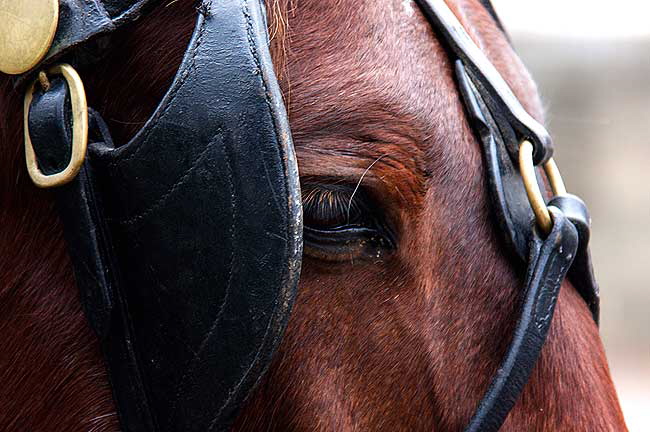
165	196
172	96
219	315
255	362
136	377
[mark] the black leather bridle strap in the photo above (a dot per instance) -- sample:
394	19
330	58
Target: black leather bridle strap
498	95
83	20
501	123
549	262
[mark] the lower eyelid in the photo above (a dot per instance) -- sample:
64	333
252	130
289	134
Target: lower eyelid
345	244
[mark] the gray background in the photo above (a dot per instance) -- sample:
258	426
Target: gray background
597	94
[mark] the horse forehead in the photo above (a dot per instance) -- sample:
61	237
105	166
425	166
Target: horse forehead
389	47
352	56
352	60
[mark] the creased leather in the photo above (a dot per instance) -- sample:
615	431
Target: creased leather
80	21
509	203
494	90
508	199
187	241
550	260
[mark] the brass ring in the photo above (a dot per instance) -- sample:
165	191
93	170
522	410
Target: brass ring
79	130
535	197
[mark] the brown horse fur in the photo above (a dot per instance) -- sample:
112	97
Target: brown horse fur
408	342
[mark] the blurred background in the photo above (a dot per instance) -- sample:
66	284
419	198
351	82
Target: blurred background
591	61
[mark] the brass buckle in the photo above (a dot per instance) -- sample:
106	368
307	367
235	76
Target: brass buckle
535	197
27	29
79	130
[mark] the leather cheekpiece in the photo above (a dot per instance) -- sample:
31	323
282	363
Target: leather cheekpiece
550	260
508	199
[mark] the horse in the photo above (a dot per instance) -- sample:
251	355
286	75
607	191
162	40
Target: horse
399	331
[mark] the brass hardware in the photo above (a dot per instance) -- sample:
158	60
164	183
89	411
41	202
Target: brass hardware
554	177
535	197
27	29
79	130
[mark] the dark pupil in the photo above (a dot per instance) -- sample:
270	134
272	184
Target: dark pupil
330	207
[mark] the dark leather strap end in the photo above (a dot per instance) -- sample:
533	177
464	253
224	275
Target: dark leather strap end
83	221
550	260
581	273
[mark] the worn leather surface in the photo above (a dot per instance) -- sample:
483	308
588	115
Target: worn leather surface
495	91
549	261
509	202
187	241
80	21
565	250
51	121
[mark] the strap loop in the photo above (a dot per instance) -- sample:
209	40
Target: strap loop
79	144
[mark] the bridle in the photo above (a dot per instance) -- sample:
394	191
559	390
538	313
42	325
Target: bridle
188	324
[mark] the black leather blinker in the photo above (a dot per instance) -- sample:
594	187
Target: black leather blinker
187	241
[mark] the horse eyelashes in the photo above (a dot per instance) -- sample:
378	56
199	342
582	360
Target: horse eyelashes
332	206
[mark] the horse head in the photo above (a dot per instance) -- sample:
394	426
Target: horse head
407	297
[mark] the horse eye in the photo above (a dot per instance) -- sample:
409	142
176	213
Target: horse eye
341	222
331	207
